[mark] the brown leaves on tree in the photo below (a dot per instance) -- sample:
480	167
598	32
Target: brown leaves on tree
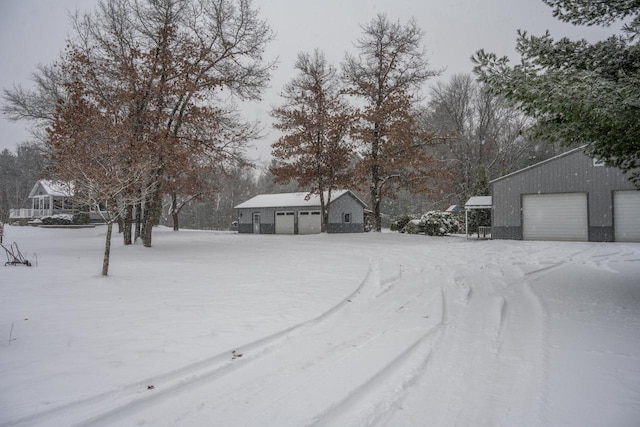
314	150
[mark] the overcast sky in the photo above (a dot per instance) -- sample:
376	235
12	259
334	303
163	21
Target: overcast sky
34	31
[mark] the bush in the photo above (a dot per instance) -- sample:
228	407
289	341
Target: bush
412	227
81	218
437	223
400	222
60	219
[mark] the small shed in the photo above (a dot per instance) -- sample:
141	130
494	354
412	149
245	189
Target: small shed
475	203
567	197
300	213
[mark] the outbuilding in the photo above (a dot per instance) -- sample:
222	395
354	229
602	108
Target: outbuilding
568	197
300	213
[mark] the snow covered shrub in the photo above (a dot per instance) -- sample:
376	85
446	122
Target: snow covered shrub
400	222
59	219
437	223
81	218
412	227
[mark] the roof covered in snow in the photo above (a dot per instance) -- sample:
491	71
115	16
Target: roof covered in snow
478	202
289	200
53	188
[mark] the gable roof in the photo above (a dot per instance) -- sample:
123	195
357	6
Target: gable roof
290	200
53	188
567	153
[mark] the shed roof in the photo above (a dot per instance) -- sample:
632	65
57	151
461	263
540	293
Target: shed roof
289	200
478	202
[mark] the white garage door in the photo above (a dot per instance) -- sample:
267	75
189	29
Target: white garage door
555	217
309	222
626	211
285	222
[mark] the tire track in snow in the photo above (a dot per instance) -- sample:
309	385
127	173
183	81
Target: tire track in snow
127	400
483	347
275	389
288	406
112	401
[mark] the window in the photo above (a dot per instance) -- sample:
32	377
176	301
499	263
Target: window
346	217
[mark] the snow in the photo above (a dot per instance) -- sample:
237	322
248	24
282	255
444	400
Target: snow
283	200
477	202
214	328
54	188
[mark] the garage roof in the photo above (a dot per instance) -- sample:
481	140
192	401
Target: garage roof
288	200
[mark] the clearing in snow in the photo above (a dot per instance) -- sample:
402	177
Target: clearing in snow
386	329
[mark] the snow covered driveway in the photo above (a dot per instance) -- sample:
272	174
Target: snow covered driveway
327	330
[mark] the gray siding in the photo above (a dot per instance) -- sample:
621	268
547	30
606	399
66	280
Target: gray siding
345	228
267	220
346	203
570	173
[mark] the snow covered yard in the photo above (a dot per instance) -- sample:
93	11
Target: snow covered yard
213	328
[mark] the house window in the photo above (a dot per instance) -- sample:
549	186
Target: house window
346	217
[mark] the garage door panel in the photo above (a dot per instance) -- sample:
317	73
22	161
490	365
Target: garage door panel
555	217
626	210
285	222
309	222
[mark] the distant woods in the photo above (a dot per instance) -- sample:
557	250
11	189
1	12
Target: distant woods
140	112
368	127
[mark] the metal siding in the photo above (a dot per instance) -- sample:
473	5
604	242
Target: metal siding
346	204
345	228
574	172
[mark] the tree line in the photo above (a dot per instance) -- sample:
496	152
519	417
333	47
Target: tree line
140	113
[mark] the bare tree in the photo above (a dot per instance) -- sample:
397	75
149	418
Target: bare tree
483	133
167	71
174	60
314	149
386	75
90	153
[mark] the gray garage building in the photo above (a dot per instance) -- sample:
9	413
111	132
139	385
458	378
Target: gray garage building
568	197
299	213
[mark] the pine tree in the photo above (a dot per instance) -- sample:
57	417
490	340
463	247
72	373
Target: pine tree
579	92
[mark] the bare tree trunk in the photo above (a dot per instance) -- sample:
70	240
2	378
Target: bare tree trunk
174	211
128	218
107	249
151	217
138	229
377	215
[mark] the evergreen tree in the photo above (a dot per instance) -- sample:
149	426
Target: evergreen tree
579	92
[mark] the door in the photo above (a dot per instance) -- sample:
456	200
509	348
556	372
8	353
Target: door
626	216
309	222
555	217
285	222
256	223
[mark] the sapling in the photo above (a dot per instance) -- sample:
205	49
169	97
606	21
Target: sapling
11	334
